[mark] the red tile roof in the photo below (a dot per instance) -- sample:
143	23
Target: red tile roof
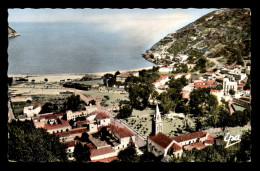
215	90
102	115
81	122
122	132
229	66
161	139
165	76
91	146
37	105
72	131
70	144
201	86
189	136
106	160
197	145
48	116
55	126
175	75
209	72
175	147
210	139
101	151
240	85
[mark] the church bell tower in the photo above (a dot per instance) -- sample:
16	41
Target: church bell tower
157	125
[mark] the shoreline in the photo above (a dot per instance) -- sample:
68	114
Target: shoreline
61	76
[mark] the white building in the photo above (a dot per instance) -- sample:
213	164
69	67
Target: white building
228	85
31	111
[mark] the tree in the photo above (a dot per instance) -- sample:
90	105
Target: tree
202	102
139	94
167	103
47	108
81	153
244	153
33	81
10	81
125	111
29	144
129	154
224	118
232	92
84	137
198	124
93	102
46	80
72	103
104	133
149	157
117	73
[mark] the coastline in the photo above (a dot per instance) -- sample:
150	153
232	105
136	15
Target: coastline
64	76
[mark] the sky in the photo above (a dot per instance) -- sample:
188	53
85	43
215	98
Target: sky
134	22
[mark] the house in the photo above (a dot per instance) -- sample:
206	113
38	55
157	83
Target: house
123	75
186	90
190	65
240	87
74	115
70	149
187	76
159	84
103	154
124	136
229	66
162	145
156	55
70	135
30	111
176	76
229	84
52	123
165	69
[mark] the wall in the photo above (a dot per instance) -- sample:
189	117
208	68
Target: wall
154	148
104	156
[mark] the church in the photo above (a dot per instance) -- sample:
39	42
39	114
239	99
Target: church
162	145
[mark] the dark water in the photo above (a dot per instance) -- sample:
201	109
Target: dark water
72	48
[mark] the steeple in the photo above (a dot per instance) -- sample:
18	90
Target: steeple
157	122
157	116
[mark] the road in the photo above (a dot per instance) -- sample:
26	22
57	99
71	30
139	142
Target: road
217	63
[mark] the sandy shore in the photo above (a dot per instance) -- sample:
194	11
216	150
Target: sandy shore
65	76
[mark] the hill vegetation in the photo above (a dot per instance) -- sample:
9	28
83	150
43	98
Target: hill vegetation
221	33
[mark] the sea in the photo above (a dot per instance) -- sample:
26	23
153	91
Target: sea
55	48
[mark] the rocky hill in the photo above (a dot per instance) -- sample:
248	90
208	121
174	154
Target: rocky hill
12	32
224	34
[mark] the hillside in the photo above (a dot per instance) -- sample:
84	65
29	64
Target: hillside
223	34
12	32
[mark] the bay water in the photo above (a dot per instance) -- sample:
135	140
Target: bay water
53	48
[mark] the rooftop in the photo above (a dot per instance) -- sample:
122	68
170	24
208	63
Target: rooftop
161	139
64	123
101	151
122	132
189	136
197	145
72	131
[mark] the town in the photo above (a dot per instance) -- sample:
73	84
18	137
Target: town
166	111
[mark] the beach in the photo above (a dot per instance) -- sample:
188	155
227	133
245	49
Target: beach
65	76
